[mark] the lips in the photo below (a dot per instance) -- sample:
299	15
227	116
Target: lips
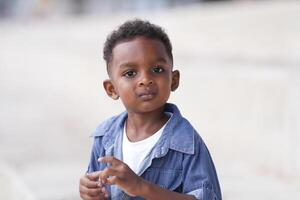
146	95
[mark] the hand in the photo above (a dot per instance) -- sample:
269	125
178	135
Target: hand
90	188
118	173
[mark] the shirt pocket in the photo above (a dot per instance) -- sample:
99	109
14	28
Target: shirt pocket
166	178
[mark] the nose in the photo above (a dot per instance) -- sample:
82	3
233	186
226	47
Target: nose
145	80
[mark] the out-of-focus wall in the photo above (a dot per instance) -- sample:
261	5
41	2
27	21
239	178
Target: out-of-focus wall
239	64
53	8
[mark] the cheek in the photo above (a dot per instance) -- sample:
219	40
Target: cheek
125	89
165	91
165	84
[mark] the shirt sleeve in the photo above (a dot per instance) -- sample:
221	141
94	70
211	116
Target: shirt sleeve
199	174
95	154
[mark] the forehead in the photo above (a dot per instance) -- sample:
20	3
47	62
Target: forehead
138	50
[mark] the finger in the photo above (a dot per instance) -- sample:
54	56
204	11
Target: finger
105	192
94	192
113	180
105	174
93	176
100	182
87	197
110	159
87	183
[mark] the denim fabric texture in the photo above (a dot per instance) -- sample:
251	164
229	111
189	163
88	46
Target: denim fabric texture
180	160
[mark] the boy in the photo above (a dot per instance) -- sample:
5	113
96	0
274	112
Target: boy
150	151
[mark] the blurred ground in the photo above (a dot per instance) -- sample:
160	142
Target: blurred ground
240	87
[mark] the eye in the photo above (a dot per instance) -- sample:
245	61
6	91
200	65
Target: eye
157	69
129	74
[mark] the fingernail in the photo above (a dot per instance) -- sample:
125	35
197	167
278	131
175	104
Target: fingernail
99	159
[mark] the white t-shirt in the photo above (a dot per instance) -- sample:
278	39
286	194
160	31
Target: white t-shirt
135	152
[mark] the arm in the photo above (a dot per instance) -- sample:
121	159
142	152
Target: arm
120	174
151	191
199	174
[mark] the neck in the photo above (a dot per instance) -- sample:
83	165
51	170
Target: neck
139	126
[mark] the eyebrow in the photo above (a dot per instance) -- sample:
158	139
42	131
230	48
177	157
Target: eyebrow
132	64
127	64
161	59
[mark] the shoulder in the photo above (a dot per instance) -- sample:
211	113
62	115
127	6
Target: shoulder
109	125
103	127
183	137
188	136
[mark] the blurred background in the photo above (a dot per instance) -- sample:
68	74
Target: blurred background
240	88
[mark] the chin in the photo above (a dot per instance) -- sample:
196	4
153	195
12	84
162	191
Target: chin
146	108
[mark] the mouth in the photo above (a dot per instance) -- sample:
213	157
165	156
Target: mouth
146	96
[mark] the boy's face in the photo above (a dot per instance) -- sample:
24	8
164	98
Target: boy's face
141	75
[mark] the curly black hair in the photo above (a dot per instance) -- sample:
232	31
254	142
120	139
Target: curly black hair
132	29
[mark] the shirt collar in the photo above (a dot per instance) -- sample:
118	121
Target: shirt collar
177	135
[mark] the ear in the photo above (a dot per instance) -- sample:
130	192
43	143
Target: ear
175	80
110	89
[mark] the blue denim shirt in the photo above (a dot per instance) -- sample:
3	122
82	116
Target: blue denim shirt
180	161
